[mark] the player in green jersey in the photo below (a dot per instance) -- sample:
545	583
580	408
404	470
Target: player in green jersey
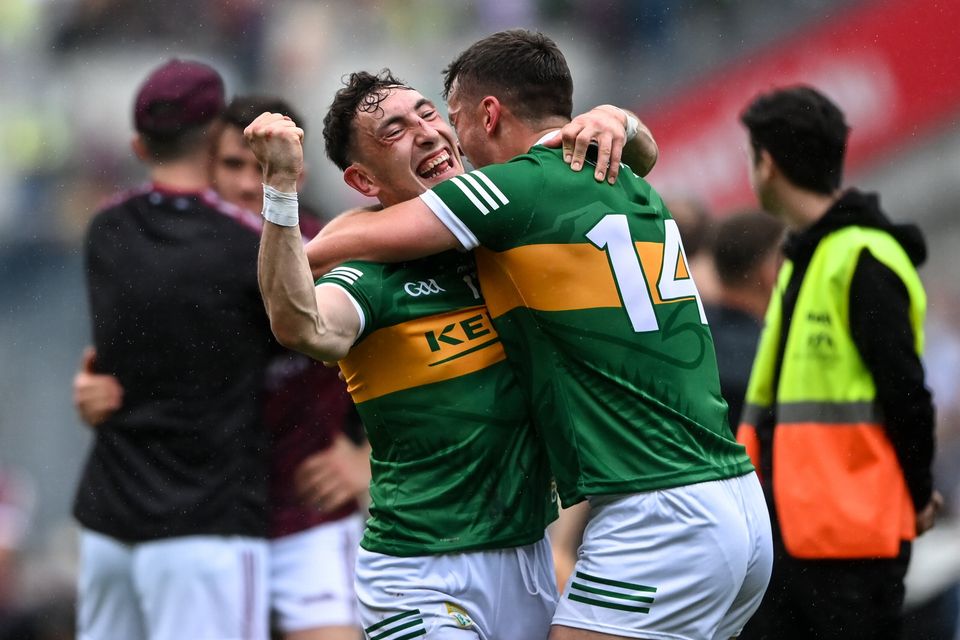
587	285
461	487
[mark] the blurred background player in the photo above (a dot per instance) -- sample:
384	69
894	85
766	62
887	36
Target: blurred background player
838	418
317	471
698	229
746	257
173	497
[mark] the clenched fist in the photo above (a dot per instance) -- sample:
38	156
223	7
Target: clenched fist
277	142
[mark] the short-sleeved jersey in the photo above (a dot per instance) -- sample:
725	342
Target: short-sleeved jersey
455	461
587	285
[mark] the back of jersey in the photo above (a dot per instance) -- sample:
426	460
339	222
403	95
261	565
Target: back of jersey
588	286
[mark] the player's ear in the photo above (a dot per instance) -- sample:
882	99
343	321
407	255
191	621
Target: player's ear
491	112
765	167
358	179
139	148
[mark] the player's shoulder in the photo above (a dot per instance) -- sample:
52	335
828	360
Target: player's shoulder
211	201
355	273
494	183
115	213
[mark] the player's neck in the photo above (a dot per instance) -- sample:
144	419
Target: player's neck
801	208
183	175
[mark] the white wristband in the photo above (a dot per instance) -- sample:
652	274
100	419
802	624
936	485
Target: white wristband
280	207
633	125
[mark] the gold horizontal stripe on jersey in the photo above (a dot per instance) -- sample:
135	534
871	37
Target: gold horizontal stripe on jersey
561	277
420	352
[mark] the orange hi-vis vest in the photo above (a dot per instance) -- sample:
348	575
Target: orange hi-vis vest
837	485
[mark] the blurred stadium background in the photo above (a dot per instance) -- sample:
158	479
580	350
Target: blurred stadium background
69	70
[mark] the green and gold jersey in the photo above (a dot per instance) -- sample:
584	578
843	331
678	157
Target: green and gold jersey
455	460
587	285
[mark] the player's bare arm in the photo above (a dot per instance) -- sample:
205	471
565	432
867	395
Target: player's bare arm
610	128
404	231
317	321
332	227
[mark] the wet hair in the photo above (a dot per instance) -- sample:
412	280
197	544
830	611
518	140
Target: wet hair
743	242
805	134
524	69
243	110
362	93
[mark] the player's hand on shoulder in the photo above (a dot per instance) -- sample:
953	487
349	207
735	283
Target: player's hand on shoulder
96	396
277	142
604	126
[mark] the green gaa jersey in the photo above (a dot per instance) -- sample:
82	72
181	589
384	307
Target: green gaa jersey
587	285
456	463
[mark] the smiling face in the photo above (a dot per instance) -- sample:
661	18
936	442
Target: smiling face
404	146
236	172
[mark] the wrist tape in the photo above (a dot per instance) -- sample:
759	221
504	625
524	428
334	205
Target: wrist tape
280	207
633	125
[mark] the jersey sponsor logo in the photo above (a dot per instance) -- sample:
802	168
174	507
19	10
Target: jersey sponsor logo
480	191
611	594
460	615
422	288
422	351
457	333
349	275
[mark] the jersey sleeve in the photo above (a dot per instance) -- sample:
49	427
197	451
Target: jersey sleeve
491	205
361	282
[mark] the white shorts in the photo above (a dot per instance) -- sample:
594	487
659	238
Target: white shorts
688	563
486	595
311	576
197	587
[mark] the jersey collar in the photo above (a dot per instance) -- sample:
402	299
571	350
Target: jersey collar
546	136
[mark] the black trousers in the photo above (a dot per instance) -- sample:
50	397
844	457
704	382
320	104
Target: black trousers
831	599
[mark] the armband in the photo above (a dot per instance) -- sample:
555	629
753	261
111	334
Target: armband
280	207
633	125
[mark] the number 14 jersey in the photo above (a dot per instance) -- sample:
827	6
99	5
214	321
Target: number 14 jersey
588	288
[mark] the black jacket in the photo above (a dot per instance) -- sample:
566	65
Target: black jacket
177	318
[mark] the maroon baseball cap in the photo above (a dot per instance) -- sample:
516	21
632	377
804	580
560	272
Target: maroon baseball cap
178	95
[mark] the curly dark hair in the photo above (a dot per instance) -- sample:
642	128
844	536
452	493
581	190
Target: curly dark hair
804	132
524	69
362	93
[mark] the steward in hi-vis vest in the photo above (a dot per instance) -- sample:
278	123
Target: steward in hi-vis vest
837	417
839	476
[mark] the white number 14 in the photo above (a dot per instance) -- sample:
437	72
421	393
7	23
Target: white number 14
612	233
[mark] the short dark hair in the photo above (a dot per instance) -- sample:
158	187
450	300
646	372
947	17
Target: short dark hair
243	110
523	69
743	241
162	147
804	132
362	92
